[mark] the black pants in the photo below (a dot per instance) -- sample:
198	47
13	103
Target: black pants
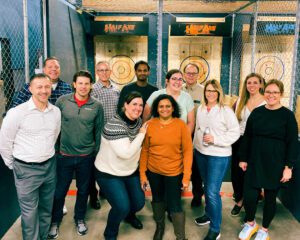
237	174
166	189
250	203
197	188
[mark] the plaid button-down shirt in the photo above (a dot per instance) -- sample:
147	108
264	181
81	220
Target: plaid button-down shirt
108	96
24	94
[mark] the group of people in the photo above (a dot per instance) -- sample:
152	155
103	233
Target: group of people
140	137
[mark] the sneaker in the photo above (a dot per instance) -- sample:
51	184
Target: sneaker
236	210
262	235
201	221
53	232
81	227
248	231
65	210
212	235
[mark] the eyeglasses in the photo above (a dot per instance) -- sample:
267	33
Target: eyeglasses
103	70
177	79
191	73
211	91
272	93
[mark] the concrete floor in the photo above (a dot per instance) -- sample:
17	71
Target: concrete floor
284	226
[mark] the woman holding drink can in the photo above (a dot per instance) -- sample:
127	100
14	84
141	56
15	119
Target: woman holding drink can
216	130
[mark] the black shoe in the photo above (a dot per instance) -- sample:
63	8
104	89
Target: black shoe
212	235
203	220
134	222
196	202
95	203
236	210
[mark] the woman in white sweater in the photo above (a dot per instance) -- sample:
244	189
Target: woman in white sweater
216	130
117	165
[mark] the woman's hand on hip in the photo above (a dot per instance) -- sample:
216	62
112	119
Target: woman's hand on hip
286	175
243	166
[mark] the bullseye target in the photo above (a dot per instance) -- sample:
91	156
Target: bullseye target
122	68
270	67
201	63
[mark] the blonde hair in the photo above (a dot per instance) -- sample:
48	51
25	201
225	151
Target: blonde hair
217	86
245	94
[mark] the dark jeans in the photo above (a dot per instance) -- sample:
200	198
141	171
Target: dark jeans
197	188
237	174
124	195
213	170
166	189
66	166
250	203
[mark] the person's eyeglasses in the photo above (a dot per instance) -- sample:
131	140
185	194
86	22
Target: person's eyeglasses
271	93
103	70
191	73
177	79
211	91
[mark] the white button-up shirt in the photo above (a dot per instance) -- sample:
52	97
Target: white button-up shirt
29	134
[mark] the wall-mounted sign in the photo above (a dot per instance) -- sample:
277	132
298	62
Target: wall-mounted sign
275	28
201	29
120	28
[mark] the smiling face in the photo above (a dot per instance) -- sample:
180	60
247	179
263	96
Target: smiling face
165	109
134	109
191	74
272	95
40	89
103	72
211	95
253	85
175	82
82	86
52	69
142	73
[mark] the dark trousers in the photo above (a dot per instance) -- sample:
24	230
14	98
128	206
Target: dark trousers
66	166
237	174
166	189
125	197
250	203
197	188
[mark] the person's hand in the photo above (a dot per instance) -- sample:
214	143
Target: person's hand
185	186
286	175
144	127
207	138
243	166
144	185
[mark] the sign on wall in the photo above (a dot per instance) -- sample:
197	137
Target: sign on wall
120	28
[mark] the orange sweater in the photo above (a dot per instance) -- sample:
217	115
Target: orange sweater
167	150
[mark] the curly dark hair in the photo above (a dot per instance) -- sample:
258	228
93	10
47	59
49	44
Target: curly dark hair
154	110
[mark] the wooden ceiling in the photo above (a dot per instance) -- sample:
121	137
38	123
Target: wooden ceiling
190	6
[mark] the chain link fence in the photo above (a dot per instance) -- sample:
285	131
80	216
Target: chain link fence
13	46
265	41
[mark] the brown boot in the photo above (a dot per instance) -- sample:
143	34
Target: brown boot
179	225
159	217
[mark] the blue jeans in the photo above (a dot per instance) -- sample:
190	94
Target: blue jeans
212	170
82	166
124	195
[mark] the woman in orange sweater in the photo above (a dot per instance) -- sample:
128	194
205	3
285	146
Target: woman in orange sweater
166	161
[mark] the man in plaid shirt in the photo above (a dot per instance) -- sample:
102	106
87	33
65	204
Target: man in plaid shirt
108	96
59	87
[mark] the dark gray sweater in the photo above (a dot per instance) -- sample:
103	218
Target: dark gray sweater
81	127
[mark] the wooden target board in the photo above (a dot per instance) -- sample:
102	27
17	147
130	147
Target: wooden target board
201	63
122	68
270	67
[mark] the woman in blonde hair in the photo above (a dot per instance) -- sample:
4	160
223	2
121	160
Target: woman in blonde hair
251	98
216	130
